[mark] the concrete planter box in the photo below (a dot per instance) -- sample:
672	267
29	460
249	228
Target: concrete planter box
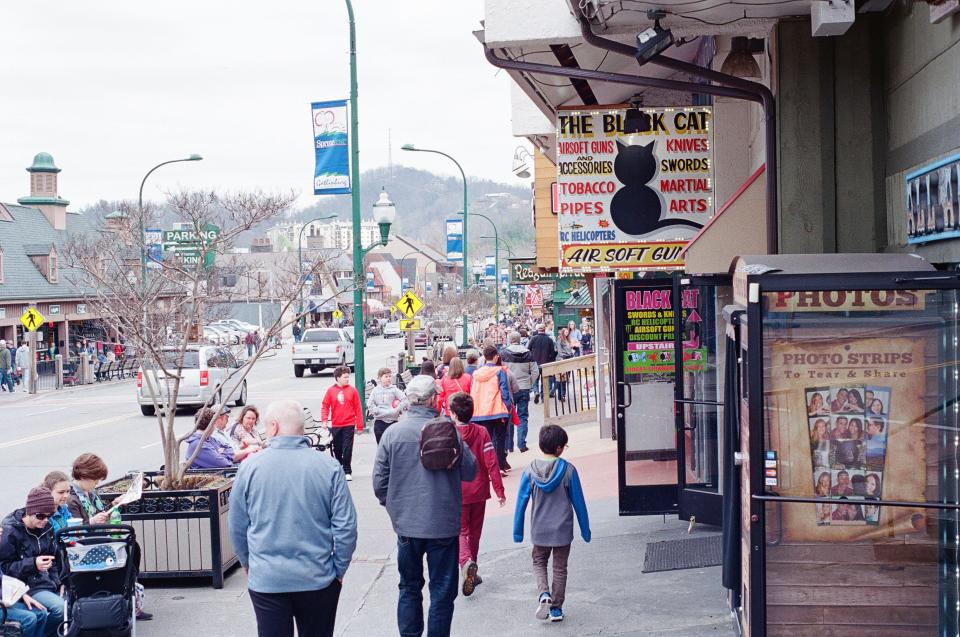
181	533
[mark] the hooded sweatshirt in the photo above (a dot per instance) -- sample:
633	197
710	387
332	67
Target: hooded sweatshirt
478	440
553	486
341	406
524	369
490	390
21	547
386	403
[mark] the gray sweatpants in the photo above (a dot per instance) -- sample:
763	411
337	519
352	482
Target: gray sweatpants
541	554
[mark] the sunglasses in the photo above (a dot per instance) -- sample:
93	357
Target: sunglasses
41	516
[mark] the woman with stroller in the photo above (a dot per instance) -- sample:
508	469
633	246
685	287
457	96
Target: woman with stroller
88	471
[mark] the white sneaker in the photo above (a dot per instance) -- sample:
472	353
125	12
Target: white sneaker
349	478
543	605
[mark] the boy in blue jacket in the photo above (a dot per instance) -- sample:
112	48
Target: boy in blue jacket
553	486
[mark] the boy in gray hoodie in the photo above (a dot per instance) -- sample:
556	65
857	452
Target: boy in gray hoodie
553	486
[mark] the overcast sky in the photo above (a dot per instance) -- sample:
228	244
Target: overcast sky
111	88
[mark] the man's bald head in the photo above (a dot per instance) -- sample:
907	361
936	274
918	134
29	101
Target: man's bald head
283	418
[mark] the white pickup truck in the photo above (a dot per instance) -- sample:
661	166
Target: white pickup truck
323	347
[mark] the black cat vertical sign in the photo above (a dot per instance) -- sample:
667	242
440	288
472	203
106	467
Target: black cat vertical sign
632	200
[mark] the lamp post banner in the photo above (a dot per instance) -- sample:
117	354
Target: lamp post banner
331	143
153	241
490	268
633	187
455	241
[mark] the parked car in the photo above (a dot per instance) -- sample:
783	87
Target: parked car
207	371
323	347
392	329
236	335
243	326
217	335
420	339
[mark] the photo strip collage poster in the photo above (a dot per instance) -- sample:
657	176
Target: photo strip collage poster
845	417
848	427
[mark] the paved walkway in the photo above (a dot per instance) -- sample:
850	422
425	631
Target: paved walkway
606	595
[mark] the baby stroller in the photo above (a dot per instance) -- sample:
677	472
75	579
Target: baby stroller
104	561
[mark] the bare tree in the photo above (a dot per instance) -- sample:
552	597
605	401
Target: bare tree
162	310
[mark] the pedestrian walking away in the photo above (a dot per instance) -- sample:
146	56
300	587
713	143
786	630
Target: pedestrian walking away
294	528
491	401
476	492
385	403
425	508
525	371
342	412
6	367
542	350
23	363
250	340
296	332
552	487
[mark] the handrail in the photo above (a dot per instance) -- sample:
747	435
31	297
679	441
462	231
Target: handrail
573	383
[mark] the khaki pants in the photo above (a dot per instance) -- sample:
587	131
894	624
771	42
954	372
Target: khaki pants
541	554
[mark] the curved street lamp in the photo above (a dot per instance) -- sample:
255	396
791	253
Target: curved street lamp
466	274
496	263
300	263
143	230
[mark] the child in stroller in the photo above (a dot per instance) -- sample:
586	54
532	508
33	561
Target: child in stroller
104	562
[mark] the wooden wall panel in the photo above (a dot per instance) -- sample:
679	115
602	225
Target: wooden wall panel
545	221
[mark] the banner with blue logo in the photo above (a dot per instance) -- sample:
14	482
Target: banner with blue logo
370	285
455	240
490	271
331	142
153	240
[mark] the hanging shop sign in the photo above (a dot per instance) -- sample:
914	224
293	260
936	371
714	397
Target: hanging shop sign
331	142
526	272
650	331
846	412
634	185
932	201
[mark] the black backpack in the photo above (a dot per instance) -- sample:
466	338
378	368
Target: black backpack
439	444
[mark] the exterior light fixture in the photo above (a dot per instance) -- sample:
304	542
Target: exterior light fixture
740	61
522	160
654	40
384	213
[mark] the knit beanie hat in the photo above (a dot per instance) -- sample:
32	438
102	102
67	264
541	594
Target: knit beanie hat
39	500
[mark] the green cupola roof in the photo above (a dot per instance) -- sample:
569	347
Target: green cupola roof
43	163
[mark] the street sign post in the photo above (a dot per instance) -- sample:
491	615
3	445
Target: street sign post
410	325
410	304
188	246
31	320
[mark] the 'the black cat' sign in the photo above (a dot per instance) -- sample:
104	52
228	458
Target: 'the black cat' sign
632	201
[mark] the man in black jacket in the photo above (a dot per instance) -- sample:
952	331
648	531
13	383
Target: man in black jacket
27	553
542	350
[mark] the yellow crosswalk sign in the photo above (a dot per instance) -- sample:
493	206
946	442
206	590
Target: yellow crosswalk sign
337	314
410	325
409	304
31	319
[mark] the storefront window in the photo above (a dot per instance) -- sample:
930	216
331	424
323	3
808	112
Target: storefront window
861	411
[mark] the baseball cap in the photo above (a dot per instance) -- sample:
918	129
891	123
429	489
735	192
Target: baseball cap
421	388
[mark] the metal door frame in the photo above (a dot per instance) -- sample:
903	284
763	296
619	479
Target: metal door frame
634	499
706	506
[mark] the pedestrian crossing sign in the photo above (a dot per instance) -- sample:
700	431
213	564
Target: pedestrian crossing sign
31	319
409	304
410	325
337	314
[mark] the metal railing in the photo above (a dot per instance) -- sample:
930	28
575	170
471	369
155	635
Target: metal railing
569	390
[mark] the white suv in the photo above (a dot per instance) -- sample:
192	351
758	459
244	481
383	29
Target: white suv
204	374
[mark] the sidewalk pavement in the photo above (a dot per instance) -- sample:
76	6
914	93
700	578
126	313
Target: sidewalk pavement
606	592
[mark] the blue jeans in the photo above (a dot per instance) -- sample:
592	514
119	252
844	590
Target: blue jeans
54	604
444	579
6	378
522	401
31	622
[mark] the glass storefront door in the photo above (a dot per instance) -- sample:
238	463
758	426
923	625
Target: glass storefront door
699	335
643	359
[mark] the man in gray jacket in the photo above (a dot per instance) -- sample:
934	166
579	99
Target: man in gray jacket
294	543
424	507
525	370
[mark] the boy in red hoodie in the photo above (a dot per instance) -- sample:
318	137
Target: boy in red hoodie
477	491
341	411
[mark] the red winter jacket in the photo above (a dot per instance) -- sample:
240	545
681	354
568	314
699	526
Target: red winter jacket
478	489
341	405
449	387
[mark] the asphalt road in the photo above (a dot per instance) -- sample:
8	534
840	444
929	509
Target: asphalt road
45	432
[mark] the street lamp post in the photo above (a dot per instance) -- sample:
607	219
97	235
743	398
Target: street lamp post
466	218
300	263
143	230
496	264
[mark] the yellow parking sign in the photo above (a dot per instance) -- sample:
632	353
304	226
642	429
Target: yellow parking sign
31	319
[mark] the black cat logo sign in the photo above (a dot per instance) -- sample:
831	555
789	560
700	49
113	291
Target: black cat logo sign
631	201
